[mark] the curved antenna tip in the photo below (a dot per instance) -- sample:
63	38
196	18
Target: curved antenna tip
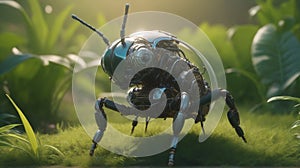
122	32
126	7
92	28
74	17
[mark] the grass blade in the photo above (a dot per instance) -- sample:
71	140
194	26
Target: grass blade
57	27
8	127
54	149
7	144
17	137
39	24
296	124
289	98
29	131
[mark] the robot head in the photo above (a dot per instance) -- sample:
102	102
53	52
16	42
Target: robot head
138	48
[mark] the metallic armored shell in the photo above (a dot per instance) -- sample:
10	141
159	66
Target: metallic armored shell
118	52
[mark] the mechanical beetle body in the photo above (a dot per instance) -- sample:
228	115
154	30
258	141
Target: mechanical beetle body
165	70
168	76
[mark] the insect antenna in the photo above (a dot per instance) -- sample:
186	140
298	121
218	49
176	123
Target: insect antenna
122	32
106	41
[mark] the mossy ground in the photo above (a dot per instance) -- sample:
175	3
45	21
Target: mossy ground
270	143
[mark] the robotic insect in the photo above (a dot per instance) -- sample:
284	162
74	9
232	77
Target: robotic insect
155	69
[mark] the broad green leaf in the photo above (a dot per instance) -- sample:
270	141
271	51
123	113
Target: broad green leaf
275	56
29	131
15	60
8	127
289	98
57	27
12	62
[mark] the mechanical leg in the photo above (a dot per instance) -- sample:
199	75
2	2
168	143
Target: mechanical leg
134	124
101	121
232	115
178	125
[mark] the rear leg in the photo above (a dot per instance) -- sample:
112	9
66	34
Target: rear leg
232	114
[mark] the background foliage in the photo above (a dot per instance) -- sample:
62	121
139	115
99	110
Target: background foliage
37	61
32	72
266	52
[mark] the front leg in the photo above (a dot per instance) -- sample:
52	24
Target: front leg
178	124
101	120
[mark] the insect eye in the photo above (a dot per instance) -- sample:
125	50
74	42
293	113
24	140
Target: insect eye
143	56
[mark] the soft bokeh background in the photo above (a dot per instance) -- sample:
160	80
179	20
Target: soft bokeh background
71	36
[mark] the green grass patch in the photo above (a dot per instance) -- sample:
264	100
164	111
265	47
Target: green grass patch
270	143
